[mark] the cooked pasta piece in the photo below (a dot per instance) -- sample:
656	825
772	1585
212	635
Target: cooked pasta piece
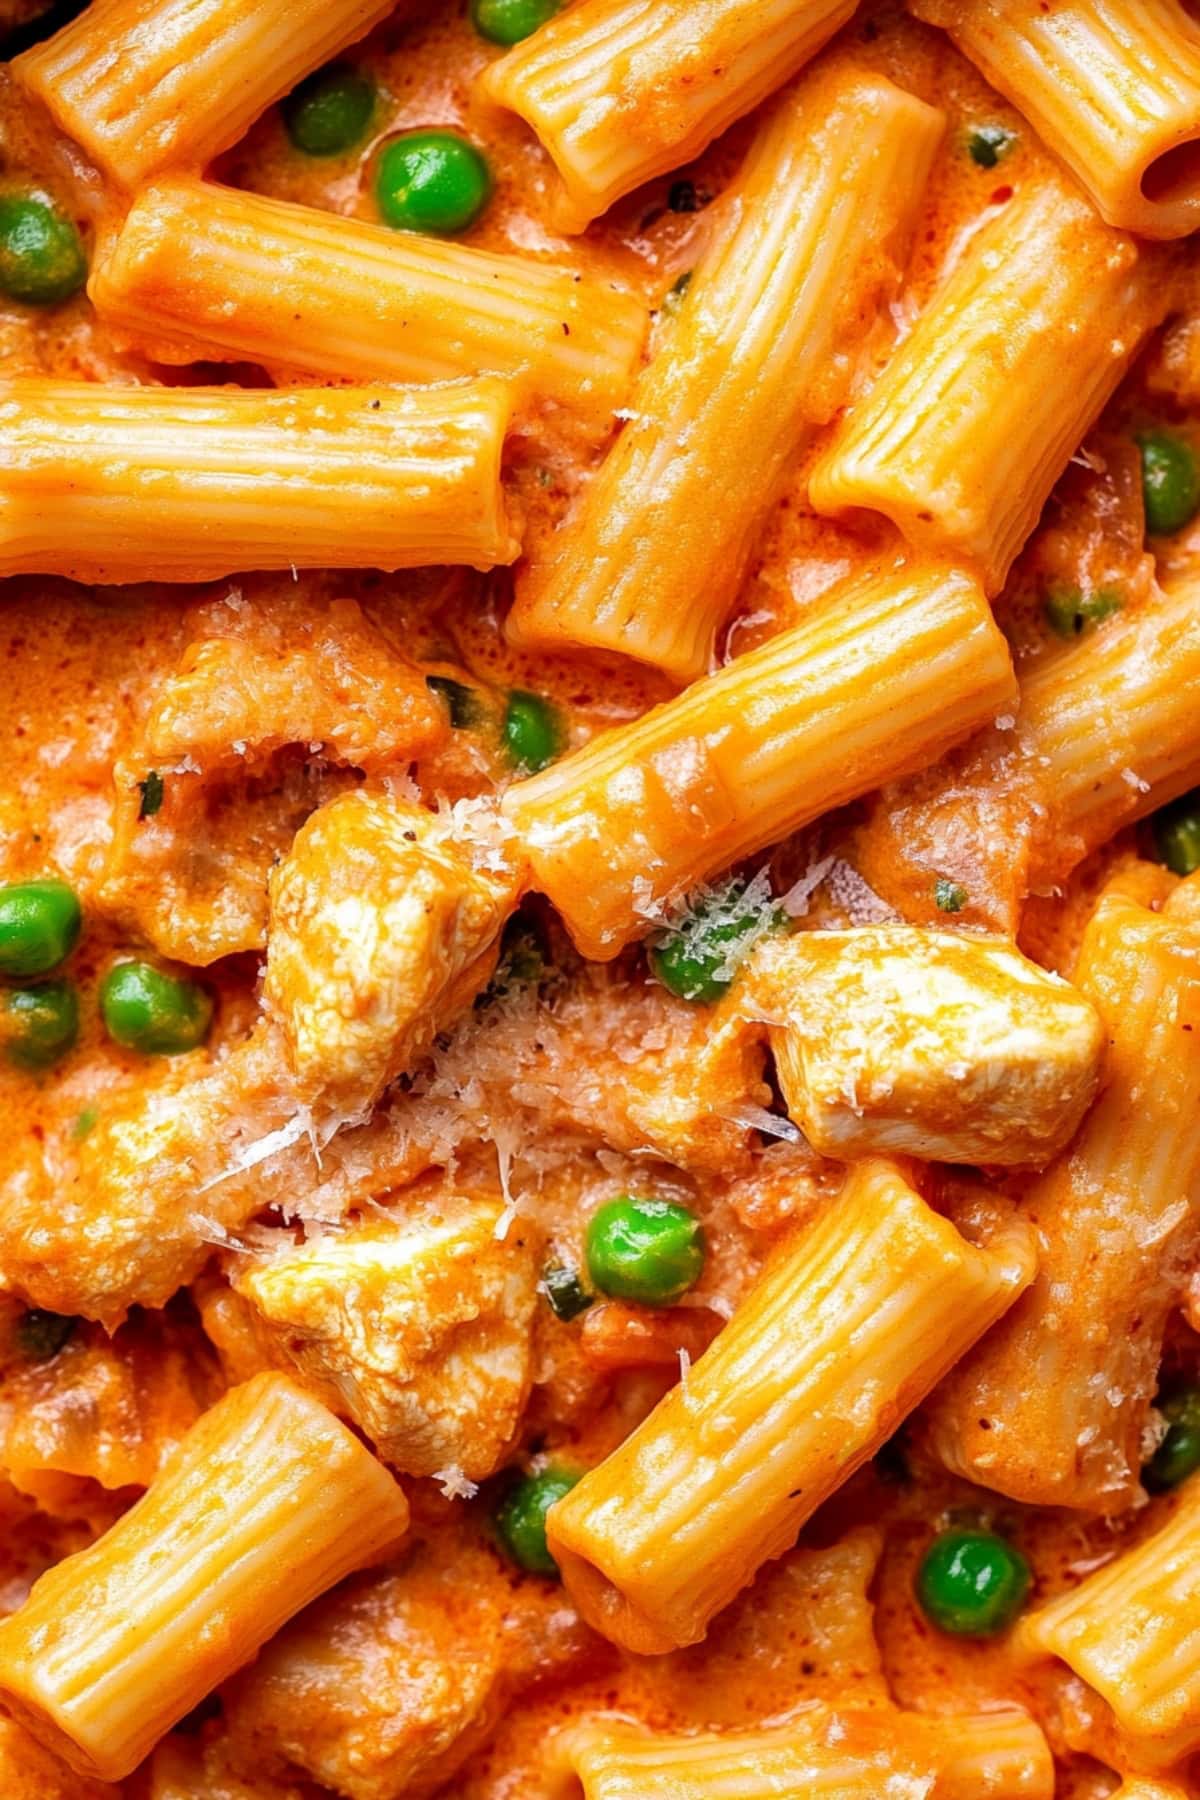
761	353
1140	674
1129	1631
142	84
620	90
1112	86
927	1043
267	1502
891	671
194	272
385	923
173	484
720	1477
1051	1409
971	423
821	1752
416	1326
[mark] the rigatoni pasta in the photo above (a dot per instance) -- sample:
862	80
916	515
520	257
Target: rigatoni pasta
718	1480
619	90
1129	1631
1052	1408
267	1502
891	669
968	427
822	1752
759	353
141	484
145	84
1112	86
194	271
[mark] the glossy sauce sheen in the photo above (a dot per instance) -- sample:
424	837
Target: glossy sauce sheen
80	674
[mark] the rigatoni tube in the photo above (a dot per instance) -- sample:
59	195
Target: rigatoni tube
1130	1631
195	272
892	670
621	90
760	353
1112	86
186	484
267	1502
971	423
851	1324
1052	1408
143	84
822	1751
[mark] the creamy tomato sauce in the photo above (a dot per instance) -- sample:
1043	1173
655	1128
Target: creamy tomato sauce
533	1103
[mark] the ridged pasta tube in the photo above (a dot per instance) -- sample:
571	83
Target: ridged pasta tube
620	90
892	670
195	272
143	84
1112	86
1051	1409
121	484
267	1502
760	353
719	1479
823	1753
1129	1630
971	423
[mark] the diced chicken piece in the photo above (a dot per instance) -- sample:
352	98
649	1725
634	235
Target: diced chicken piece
929	1043
187	1768
232	757
416	1327
381	1690
131	1214
30	1772
385	924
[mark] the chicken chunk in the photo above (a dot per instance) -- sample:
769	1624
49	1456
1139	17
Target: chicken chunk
385	923
417	1327
235	753
929	1043
382	1690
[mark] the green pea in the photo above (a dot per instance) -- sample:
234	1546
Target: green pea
988	143
39	1025
431	181
508	21
949	896
521	1520
700	955
1070	612
651	1251
1170	482
42	1335
40	922
330	111
1177	833
972	1583
565	1291
41	253
1178	1455
146	1009
532	731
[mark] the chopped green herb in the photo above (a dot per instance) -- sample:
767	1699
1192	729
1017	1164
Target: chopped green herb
565	1291
85	1122
673	298
42	1335
461	702
1070	612
949	896
151	791
988	143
